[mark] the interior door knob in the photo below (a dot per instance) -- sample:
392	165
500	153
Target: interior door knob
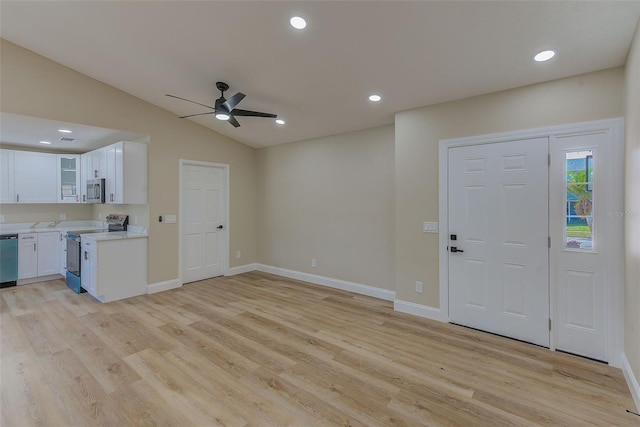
220	227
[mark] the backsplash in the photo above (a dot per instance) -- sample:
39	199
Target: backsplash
45	212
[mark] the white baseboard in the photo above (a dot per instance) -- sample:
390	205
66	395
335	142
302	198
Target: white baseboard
418	310
39	279
356	288
241	269
632	382
163	286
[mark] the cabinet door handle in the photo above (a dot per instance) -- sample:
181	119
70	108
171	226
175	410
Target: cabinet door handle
86	255
95	173
17	197
34	246
76	198
84	198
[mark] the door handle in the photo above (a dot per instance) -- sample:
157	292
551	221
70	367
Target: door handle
86	255
454	249
220	227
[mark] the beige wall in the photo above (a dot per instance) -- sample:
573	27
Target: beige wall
575	99
330	199
35	86
632	207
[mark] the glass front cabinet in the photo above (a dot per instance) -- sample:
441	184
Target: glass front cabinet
68	178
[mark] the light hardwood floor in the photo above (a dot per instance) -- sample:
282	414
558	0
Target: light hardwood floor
258	349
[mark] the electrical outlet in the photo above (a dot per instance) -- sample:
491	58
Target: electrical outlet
237	254
419	287
170	219
63	217
314	263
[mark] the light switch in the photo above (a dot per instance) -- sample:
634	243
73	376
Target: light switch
169	219
429	227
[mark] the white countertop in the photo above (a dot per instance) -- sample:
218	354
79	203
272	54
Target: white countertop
66	226
114	235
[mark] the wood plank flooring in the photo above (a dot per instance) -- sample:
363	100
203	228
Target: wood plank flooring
261	350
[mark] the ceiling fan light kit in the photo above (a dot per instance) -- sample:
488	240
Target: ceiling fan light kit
225	109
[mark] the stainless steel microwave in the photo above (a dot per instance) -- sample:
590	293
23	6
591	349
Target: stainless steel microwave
96	190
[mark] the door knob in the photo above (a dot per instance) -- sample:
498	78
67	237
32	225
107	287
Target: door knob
220	227
454	249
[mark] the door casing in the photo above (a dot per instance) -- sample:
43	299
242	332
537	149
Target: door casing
614	297
225	212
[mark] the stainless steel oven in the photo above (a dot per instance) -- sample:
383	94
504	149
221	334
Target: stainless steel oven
74	258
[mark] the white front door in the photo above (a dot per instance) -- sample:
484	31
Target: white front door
202	216
498	216
581	212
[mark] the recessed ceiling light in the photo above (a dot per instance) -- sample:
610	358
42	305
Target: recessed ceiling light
280	121
222	116
64	130
45	142
375	98
545	55
298	22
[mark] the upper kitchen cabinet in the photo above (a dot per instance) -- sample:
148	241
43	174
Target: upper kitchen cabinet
35	177
68	169
7	183
126	177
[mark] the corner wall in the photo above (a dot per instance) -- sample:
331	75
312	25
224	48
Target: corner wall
632	212
329	199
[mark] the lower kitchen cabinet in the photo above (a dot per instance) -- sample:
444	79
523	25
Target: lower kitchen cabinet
48	253
27	255
114	269
38	254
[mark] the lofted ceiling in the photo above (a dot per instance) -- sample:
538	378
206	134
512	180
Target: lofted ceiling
412	53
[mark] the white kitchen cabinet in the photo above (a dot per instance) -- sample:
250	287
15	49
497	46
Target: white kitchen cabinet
35	177
7	185
48	251
63	254
86	173
95	164
27	255
88	267
114	269
68	180
126	177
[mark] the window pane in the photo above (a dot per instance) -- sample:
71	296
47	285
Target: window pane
579	200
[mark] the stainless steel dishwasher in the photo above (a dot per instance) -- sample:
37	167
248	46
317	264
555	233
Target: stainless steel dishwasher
8	260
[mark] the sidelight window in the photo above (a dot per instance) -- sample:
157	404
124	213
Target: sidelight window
579	200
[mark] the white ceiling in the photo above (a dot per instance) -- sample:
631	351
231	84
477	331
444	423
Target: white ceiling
413	53
25	131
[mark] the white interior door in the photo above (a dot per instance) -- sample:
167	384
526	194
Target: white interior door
580	212
498	212
203	210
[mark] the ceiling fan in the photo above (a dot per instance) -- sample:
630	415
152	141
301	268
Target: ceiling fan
225	109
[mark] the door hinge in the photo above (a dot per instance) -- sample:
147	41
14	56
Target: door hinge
549	241
549	324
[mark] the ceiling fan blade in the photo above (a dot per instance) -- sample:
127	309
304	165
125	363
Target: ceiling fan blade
231	103
188	100
199	114
234	122
248	113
